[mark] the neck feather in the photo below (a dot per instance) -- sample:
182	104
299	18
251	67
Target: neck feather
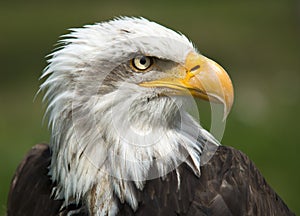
108	148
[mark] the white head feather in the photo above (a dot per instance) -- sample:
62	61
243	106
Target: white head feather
108	133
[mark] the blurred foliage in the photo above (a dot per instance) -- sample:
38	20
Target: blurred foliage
256	41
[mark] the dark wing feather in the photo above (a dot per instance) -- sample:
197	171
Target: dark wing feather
30	191
230	184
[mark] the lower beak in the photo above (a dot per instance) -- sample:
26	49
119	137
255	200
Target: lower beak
201	77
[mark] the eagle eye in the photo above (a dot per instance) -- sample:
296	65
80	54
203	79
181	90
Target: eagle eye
142	63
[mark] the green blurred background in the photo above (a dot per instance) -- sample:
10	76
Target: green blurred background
258	42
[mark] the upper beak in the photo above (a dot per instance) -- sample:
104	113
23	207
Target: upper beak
200	77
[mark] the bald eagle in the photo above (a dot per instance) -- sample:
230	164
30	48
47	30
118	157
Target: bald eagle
122	139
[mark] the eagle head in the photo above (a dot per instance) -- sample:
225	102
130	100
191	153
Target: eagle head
117	95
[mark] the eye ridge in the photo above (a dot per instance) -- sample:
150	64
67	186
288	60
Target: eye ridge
142	63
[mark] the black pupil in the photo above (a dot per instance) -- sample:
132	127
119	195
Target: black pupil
143	61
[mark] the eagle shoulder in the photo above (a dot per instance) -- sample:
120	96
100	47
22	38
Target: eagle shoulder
229	184
31	187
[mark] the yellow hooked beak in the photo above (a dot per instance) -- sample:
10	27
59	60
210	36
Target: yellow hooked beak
200	77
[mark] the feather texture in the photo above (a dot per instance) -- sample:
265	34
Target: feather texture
230	184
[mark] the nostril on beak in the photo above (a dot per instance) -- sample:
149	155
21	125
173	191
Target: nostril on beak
195	68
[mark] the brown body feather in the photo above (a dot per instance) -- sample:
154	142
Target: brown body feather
230	184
